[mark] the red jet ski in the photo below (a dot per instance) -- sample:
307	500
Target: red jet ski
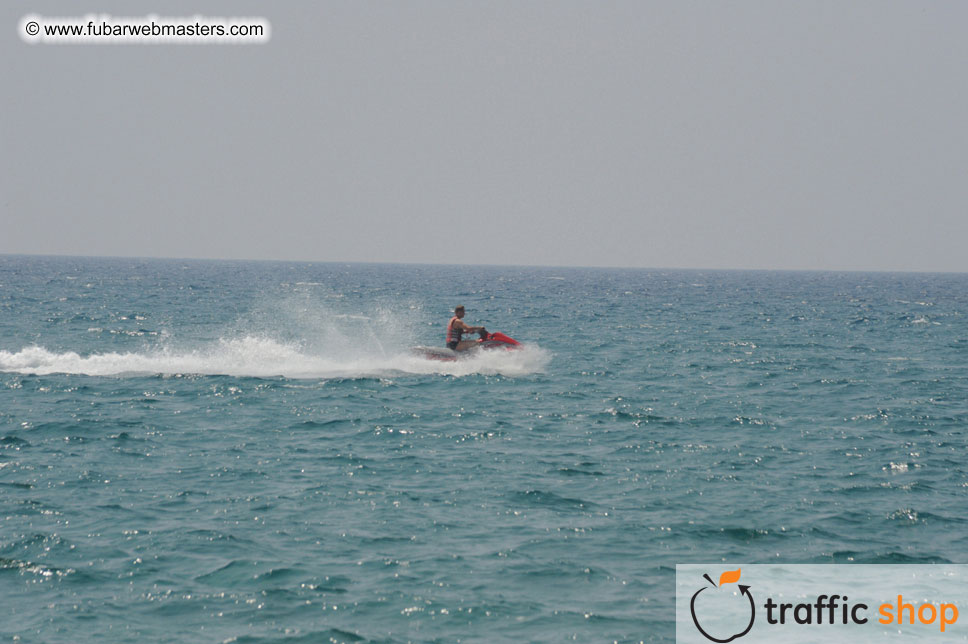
487	342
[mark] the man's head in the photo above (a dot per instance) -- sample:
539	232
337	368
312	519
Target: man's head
459	311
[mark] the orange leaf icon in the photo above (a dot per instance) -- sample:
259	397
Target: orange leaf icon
729	577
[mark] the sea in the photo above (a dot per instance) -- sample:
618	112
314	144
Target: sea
229	451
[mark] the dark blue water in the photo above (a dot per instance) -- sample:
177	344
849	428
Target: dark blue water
212	451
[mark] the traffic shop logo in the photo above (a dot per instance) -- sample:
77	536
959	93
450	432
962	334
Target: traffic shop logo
740	605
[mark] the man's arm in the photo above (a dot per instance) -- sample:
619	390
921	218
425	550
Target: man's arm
468	329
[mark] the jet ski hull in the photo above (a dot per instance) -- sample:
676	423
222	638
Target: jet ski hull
442	354
490	342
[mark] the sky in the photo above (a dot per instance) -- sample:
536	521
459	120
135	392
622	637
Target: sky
665	134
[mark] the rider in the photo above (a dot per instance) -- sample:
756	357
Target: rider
456	328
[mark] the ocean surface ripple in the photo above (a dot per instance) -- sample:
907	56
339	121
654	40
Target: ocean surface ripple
248	451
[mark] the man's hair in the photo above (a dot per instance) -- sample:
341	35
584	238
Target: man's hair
459	307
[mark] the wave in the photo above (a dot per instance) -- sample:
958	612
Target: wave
267	357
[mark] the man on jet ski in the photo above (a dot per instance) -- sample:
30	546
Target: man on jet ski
456	328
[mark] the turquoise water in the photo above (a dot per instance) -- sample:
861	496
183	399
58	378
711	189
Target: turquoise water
243	451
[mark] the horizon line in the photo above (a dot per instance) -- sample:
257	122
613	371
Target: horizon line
447	264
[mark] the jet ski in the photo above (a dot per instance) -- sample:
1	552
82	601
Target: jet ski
487	342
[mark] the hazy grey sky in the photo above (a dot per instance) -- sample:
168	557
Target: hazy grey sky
773	134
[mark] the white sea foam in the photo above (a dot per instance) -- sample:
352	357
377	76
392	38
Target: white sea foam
267	357
297	336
